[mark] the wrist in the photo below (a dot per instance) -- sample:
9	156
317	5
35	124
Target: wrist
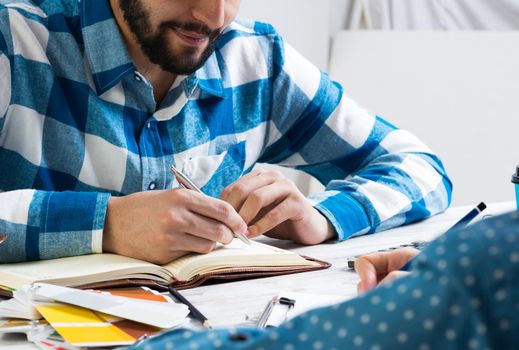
109	231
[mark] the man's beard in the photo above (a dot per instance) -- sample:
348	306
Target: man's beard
156	46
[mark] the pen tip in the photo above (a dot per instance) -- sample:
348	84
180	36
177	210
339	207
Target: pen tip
481	206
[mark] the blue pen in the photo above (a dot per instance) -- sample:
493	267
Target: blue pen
461	223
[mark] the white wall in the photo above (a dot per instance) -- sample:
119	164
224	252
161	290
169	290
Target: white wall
457	91
302	23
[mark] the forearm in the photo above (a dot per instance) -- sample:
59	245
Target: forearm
392	190
47	225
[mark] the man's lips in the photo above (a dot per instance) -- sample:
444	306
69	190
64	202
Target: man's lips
192	38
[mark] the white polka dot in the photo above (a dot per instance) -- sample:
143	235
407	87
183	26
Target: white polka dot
490	233
375	300
375	347
482	329
350	311
391	306
424	347
510	238
382	327
500	295
444	280
417	293
402	288
274	335
428	324
475	302
169	345
289	347
504	325
435	300
473	344
401	337
499	274
318	345
463	235
455	310
450	334
193	345
314	319
342	333
302	337
289	325
187	335
217	343
211	335
364	319
440	250
465	261
463	247
428	275
327	326
148	347
493	250
469	280
336	307
499	223
358	340
514	258
441	264
409	314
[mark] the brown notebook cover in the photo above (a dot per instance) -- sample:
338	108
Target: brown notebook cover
229	274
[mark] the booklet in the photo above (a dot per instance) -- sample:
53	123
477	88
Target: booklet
233	261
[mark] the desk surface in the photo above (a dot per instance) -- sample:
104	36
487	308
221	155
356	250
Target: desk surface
241	303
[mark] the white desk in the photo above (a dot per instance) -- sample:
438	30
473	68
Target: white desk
241	303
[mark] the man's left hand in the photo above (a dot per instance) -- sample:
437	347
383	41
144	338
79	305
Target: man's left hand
271	204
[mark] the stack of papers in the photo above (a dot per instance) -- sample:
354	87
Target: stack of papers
93	318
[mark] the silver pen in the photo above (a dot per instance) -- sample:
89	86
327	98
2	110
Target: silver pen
187	183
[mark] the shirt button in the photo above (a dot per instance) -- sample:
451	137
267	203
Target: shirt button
152	186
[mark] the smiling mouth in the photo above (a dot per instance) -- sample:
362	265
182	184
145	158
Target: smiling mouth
191	38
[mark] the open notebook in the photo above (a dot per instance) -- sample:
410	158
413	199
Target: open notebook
233	261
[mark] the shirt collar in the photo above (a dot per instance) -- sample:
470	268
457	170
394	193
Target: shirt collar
104	46
109	58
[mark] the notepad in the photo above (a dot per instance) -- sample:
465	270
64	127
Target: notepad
232	261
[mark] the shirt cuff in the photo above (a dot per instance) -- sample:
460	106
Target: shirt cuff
347	216
68	224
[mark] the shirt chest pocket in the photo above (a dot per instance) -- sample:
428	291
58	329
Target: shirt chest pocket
212	173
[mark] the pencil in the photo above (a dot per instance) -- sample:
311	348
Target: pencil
461	223
193	311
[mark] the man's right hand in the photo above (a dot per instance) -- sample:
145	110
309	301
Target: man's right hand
160	226
377	268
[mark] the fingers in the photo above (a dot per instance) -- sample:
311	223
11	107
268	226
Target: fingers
373	268
368	267
237	193
393	275
212	208
207	229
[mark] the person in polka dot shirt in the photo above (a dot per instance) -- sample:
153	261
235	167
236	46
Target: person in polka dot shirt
462	293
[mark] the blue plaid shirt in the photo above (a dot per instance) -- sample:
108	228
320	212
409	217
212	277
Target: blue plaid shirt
79	123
